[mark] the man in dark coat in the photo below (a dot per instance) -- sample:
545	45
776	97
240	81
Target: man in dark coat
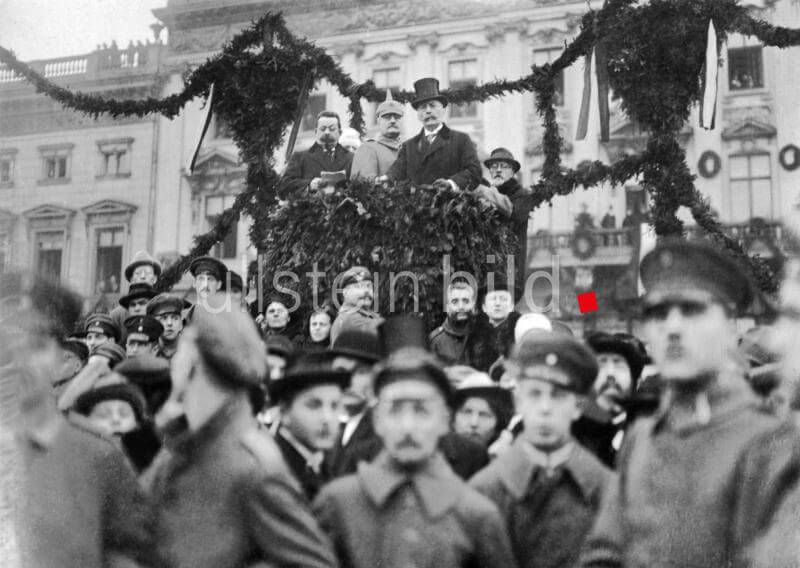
493	332
437	155
547	487
304	170
699	481
224	496
407	508
309	395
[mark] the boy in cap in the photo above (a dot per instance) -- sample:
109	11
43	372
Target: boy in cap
143	334
376	155
309	396
168	310
100	328
699	480
225	498
547	487
437	155
407	507
135	301
357	302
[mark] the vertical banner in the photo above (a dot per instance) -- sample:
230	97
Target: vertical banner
708	104
201	130
647	242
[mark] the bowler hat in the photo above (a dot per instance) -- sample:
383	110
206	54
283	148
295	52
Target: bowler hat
500	283
142	258
479	385
623	344
562	352
136	291
676	265
390	106
117	391
147	325
102	323
208	264
402	331
308	370
427	89
167	304
502	155
358	342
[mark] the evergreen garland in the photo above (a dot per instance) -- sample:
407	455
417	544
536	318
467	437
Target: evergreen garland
655	53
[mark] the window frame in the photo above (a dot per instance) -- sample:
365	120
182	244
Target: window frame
55	152
761	68
118	147
219	248
308	114
37	250
463	58
8	155
750	179
394	88
96	229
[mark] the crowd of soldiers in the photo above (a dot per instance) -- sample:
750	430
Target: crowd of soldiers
171	434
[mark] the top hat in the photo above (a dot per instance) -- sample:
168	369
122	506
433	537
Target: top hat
136	291
390	106
358	342
402	331
142	258
427	89
502	155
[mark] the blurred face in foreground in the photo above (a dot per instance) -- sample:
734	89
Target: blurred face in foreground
312	416
547	410
113	417
410	418
690	335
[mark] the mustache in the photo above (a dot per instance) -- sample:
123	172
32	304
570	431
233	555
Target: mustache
408	442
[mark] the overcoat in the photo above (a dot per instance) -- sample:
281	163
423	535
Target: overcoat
305	165
693	493
548	516
225	498
381	517
374	157
451	156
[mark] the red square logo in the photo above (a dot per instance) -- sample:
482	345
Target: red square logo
587	302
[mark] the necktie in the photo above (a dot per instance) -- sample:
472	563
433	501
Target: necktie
431	138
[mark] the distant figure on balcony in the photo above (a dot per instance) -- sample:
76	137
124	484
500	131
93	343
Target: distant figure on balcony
609	220
305	168
584	219
376	155
437	155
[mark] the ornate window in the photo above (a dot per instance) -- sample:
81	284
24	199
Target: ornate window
7	159
314	106
745	68
215	206
49	228
56	163
462	73
750	186
107	228
115	158
548	55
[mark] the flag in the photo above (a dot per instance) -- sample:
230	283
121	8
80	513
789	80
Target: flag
202	129
708	104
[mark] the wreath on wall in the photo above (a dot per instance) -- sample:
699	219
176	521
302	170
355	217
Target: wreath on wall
583	243
789	157
709	164
264	74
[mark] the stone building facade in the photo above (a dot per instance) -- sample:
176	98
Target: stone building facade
746	166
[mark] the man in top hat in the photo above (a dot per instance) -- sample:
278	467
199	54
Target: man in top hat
376	155
142	269
305	168
101	328
357	302
223	493
547	486
407	507
168	310
621	358
437	155
143	334
699	480
309	396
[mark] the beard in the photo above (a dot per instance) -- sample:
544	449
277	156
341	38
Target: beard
460	319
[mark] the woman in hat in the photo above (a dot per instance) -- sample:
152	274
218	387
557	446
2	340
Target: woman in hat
482	408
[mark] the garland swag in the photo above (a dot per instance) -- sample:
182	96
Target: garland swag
260	73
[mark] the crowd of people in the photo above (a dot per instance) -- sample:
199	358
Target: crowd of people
175	434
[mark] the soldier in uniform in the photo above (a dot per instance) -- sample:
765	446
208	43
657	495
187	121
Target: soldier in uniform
407	507
209	274
357	302
376	155
309	396
547	487
143	333
225	497
699	480
168	310
100	328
